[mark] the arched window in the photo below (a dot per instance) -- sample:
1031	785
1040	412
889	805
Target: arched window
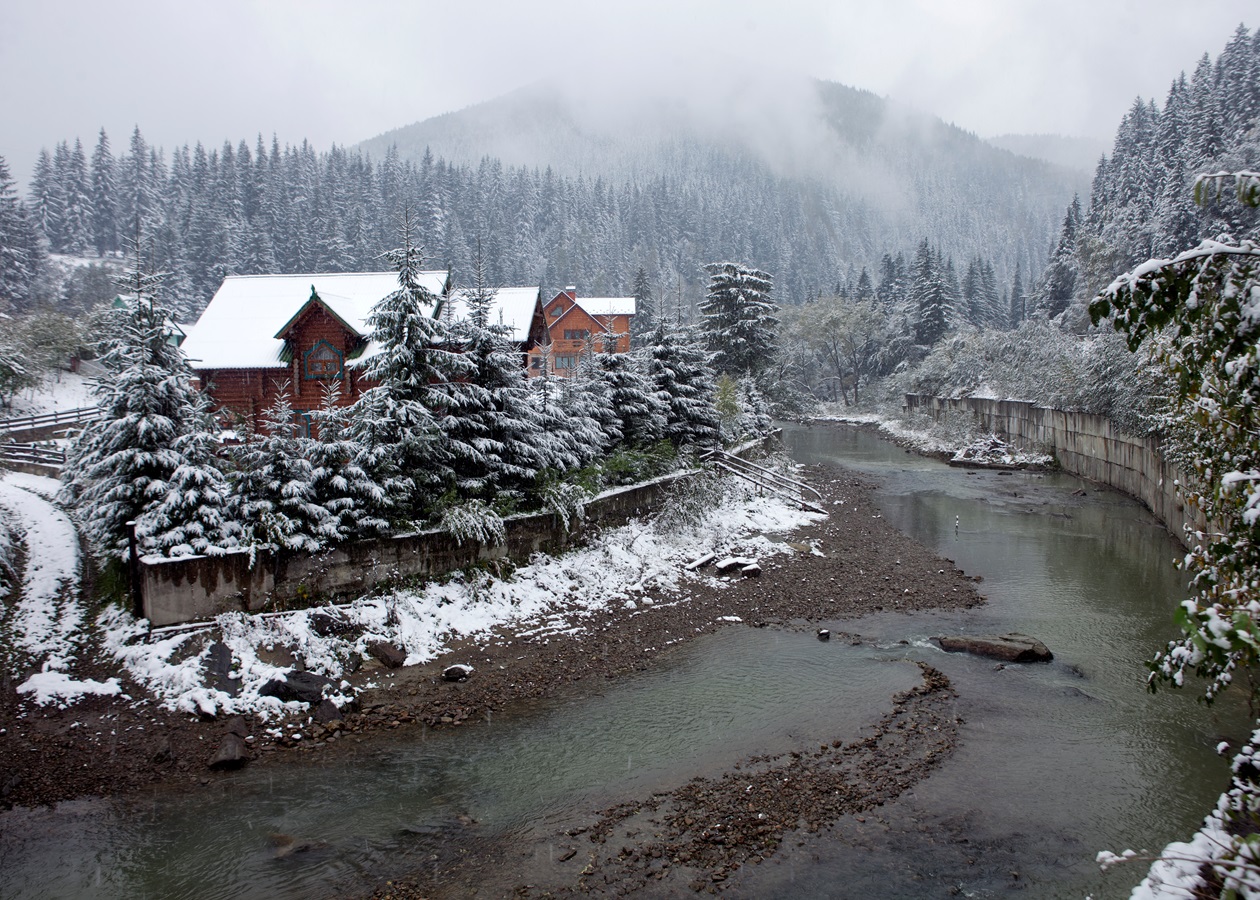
323	361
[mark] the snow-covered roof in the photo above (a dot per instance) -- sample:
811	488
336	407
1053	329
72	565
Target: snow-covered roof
512	306
606	306
238	329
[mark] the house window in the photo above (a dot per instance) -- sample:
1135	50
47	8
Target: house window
323	361
576	334
302	421
557	310
566	362
535	362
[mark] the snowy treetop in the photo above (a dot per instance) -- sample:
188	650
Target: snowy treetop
238	329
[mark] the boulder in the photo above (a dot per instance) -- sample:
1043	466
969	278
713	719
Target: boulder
327	711
1012	647
387	654
237	726
233	753
304	687
330	623
219	669
456	673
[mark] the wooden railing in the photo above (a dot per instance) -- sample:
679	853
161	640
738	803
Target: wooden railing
38	454
43	420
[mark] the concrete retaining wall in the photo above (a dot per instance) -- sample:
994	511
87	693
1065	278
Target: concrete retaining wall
1083	443
192	589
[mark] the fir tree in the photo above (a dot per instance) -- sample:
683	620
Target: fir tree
397	421
274	485
681	371
357	504
104	197
18	246
640	407
929	297
644	306
499	417
145	459
740	319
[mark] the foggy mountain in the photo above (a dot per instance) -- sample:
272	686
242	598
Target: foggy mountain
1077	153
810	180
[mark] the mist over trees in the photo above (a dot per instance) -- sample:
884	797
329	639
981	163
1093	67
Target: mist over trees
256	207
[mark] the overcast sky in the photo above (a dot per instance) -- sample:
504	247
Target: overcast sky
348	70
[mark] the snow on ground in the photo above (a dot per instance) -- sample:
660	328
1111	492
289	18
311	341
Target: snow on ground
550	595
47	618
928	437
46	625
57	393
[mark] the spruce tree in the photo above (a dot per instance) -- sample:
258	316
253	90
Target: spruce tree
681	371
17	244
145	459
499	418
104	181
357	504
413	368
639	405
740	319
274	485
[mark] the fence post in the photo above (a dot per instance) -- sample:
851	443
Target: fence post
137	601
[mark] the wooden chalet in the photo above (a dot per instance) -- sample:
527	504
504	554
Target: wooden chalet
579	325
260	332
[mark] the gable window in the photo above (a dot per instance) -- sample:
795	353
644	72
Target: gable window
576	334
323	361
557	310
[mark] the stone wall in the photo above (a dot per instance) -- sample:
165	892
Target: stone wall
1084	444
191	589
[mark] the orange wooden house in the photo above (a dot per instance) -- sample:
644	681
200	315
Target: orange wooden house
580	325
261	333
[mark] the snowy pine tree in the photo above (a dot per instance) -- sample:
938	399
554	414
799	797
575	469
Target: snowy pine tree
639	405
500	418
145	459
357	504
681	370
740	319
274	485
396	422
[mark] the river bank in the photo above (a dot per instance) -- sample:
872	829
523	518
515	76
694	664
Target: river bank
110	746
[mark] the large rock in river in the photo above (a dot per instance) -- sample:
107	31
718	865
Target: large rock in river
1007	647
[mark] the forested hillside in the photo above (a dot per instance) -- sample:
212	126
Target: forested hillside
860	182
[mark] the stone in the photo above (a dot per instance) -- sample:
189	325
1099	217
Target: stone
456	673
1012	647
218	668
327	711
233	753
751	570
304	687
237	726
824	634
387	654
163	752
724	566
330	623
701	562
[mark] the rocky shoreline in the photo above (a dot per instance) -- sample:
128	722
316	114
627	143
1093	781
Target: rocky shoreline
848	565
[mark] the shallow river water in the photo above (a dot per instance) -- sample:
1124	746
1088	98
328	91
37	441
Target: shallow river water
1055	762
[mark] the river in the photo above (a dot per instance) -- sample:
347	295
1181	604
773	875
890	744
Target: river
1056	761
